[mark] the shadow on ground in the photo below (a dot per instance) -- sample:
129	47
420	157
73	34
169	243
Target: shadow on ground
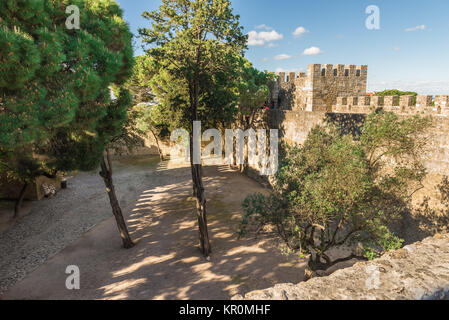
166	262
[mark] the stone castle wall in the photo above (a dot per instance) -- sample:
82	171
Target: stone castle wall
404	105
294	126
436	158
338	93
319	88
417	272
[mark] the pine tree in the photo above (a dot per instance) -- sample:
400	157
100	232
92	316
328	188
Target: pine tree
195	43
54	84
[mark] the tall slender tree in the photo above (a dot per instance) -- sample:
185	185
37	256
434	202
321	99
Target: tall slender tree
195	42
253	92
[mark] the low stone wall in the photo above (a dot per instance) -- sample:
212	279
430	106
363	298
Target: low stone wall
417	272
147	147
34	191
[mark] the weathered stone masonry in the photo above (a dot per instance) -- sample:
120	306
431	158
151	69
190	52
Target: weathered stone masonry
417	272
319	88
301	101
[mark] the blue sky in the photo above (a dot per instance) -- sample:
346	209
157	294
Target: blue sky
410	51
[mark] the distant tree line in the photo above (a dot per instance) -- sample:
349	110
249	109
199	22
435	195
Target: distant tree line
395	92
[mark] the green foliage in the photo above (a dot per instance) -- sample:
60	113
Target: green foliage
19	58
253	88
139	84
74	148
149	117
23	168
54	95
195	53
386	138
253	92
334	190
159	100
395	92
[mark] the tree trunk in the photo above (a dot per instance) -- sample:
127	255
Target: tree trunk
315	267
247	124
198	193
197	178
106	174
19	200
243	168
161	155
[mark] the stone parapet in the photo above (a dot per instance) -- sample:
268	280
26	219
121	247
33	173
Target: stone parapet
398	104
417	272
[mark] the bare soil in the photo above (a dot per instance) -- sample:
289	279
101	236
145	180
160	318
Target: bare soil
77	228
166	262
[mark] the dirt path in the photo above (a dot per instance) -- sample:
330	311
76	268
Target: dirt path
45	227
165	263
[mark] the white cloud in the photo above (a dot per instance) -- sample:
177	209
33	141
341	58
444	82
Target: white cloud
253	39
290	70
396	49
272	45
421	27
264	27
260	38
300	31
282	57
265	59
312	51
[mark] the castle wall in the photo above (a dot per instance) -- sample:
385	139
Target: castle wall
416	272
283	91
329	82
404	105
294	126
436	159
319	88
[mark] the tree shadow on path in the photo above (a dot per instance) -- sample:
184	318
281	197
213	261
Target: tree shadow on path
166	262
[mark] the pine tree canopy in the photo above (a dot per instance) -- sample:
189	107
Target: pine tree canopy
54	81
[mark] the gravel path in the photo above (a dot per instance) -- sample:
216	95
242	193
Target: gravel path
55	223
165	263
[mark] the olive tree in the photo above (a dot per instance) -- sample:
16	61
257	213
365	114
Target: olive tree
336	190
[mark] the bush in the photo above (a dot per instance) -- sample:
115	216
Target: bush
334	190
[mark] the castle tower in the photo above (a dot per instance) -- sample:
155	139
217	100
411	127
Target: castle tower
319	88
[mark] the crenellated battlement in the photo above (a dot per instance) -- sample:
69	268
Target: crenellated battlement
338	93
342	88
338	71
315	71
397	104
318	89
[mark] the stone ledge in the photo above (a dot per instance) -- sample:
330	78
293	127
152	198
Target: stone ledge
417	272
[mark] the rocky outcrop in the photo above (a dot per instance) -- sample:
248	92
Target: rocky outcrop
417	272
